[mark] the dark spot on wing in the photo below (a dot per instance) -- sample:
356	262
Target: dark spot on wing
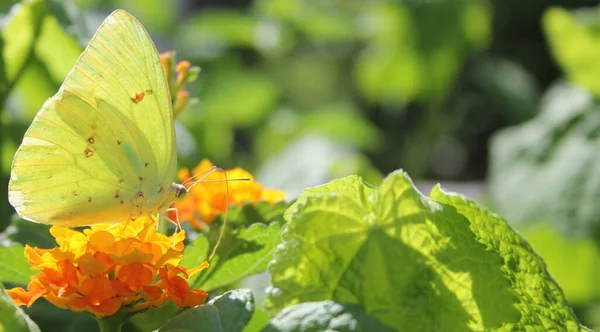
146	164
119	142
121	180
149	91
88	152
138	97
121	202
141	194
140	178
75	193
160	189
117	194
91	140
89	199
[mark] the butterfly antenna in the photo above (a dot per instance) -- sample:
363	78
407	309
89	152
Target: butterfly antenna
205	173
224	216
201	180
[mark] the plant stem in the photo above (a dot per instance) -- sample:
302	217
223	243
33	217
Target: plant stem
112	323
162	225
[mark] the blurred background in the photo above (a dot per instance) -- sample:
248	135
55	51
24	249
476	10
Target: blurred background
496	99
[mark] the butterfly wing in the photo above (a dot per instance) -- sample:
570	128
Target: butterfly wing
103	148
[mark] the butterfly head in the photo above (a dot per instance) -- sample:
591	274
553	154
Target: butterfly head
179	191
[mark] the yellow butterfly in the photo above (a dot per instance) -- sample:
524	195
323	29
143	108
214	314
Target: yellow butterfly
102	149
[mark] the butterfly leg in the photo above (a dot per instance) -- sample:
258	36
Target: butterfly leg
174	222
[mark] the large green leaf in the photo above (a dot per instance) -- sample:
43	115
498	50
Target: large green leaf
324	316
12	318
13	265
229	312
414	263
547	169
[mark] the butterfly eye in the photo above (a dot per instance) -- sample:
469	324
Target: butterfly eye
179	190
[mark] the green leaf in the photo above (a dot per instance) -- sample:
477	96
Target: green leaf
153	319
250	213
12	318
521	267
19	36
242	252
578	281
324	316
13	265
546	169
574	40
229	312
414	263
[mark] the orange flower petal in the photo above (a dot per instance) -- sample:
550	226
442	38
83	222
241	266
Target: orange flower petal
135	275
97	290
34	291
89	265
194	298
107	308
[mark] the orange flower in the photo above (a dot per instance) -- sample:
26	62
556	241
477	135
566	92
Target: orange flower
107	268
206	200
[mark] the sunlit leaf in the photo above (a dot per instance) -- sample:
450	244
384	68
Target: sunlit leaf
415	263
242	252
578	281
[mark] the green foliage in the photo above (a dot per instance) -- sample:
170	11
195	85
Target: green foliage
324	316
545	169
243	252
13	265
441	260
415	49
12	318
575	40
229	312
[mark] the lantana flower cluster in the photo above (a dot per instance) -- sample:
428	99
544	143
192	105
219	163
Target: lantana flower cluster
211	193
107	268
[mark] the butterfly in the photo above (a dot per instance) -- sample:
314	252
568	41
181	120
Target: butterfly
102	149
